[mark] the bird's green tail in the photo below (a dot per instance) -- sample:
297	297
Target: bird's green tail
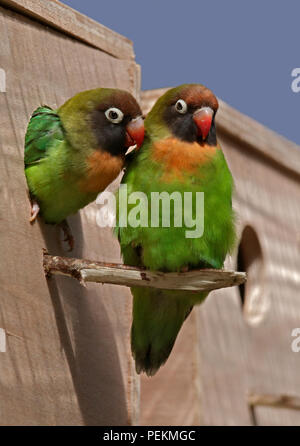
157	318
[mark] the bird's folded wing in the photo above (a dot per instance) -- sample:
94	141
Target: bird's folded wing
43	130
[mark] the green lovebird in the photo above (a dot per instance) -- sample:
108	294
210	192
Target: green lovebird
180	154
74	152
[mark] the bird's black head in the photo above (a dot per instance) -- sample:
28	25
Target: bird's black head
117	122
189	113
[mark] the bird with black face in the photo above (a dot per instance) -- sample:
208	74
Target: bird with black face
74	152
187	113
180	154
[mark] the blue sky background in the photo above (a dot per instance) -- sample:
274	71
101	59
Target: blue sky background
243	51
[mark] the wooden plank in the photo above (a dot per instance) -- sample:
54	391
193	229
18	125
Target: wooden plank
71	22
255	353
68	359
245	131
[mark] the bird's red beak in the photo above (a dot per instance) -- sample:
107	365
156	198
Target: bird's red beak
135	132
203	119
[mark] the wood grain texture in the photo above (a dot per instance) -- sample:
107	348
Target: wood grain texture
71	22
287	402
238	355
68	359
282	401
173	397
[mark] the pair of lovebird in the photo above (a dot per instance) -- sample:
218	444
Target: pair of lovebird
74	152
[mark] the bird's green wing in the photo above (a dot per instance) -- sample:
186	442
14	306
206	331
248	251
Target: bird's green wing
43	129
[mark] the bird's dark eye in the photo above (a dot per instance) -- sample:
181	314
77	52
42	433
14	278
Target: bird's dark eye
114	115
181	106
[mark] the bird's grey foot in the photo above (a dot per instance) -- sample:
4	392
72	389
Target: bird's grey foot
68	234
35	209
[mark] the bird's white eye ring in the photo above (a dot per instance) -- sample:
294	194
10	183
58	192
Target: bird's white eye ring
114	115
181	106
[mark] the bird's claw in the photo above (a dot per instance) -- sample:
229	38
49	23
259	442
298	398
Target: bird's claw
68	235
35	209
71	243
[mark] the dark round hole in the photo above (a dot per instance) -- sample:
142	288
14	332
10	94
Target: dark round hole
250	259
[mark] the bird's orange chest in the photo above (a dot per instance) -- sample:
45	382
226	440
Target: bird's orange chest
178	158
102	169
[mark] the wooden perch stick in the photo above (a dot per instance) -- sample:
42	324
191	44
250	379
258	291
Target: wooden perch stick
88	271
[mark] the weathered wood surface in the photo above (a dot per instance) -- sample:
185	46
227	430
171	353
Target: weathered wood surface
68	357
71	22
242	349
101	272
287	404
281	401
174	395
